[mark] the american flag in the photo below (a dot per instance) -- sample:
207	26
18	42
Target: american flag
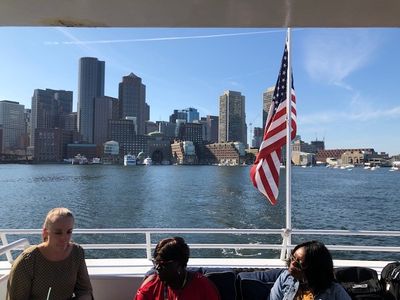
265	171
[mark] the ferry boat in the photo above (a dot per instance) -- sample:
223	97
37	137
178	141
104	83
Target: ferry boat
118	278
129	160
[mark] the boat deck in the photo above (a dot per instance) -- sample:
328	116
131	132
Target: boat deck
120	278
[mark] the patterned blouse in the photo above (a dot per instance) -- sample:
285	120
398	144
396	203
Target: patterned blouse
32	276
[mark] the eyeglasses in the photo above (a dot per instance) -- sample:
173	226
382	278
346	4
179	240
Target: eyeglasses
161	264
296	261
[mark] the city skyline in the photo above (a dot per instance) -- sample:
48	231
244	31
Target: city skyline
344	78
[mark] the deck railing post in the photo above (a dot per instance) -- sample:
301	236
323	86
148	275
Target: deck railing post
148	245
5	242
286	237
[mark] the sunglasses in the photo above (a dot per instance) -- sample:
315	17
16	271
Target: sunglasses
297	263
161	264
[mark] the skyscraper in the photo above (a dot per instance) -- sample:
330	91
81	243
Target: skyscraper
90	86
267	100
105	108
12	122
192	114
132	100
232	117
49	108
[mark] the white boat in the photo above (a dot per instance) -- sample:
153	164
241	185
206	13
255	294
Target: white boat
147	161
79	160
96	161
129	160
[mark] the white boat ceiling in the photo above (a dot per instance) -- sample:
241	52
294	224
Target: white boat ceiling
201	13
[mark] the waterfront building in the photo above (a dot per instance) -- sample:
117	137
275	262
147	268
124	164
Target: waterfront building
178	115
90	86
267	101
184	153
49	110
132	101
28	126
192	114
111	148
212	125
48	145
353	157
377	159
318	145
167	128
51	144
224	153
322	155
12	123
232	117
71	121
303	158
191	132
301	146
110	153
159	148
123	132
151	127
105	108
210	133
258	134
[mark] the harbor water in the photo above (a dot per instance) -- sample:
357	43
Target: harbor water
110	196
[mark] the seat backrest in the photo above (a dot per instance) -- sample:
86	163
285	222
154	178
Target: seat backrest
355	274
257	285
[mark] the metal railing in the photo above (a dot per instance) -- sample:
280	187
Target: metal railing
150	241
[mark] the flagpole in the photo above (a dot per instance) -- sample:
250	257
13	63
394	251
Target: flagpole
288	144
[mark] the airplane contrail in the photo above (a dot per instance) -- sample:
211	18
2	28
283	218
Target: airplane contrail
79	42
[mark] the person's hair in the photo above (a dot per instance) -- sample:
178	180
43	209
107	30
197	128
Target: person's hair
173	248
318	265
52	215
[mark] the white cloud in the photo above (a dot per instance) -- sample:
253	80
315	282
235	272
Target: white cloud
332	56
360	116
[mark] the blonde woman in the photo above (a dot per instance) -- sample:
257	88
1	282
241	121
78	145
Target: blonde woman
54	269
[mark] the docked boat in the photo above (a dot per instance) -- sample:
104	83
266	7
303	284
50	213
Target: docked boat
129	160
79	160
96	161
147	161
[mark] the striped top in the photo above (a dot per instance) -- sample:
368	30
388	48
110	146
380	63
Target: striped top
32	275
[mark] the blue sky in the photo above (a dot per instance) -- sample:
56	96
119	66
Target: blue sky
345	79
